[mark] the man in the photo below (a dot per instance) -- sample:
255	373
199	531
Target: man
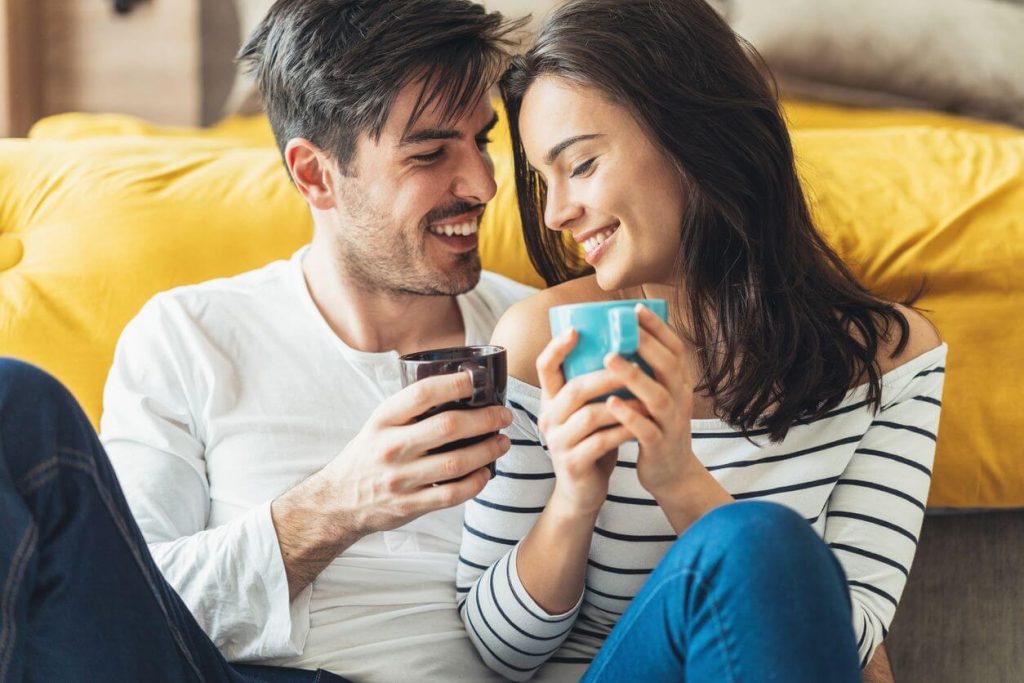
257	424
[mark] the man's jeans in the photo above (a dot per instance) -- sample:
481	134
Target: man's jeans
748	593
80	597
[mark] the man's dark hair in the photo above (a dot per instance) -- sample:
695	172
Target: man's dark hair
330	70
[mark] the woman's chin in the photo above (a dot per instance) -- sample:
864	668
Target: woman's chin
611	279
617	278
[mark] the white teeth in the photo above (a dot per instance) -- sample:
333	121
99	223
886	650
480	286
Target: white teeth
594	242
464	229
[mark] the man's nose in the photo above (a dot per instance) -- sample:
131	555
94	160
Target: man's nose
474	181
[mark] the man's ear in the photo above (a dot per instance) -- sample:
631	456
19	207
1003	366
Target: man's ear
312	171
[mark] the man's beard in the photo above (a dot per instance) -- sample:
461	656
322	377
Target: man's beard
390	260
461	279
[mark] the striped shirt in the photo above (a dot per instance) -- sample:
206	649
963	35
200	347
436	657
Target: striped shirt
860	479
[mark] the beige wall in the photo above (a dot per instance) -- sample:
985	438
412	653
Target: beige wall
168	61
518	8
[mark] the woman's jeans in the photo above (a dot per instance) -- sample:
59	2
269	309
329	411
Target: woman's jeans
80	597
748	593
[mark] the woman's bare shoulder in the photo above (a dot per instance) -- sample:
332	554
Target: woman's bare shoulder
524	330
923	337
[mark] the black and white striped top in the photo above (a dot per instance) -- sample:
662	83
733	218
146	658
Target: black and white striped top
860	479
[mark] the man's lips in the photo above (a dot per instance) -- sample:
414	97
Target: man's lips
469	216
458	243
458	234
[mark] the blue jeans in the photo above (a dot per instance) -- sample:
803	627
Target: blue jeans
748	593
80	596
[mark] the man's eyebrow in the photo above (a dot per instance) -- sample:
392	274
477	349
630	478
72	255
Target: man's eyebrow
565	144
489	127
430	134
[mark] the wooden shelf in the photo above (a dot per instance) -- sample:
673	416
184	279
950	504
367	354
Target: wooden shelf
20	69
80	55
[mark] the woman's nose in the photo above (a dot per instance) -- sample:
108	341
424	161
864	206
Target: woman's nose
559	209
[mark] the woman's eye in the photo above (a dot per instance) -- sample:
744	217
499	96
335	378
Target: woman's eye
583	168
427	158
483	142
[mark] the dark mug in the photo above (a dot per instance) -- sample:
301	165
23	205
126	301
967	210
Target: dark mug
487	365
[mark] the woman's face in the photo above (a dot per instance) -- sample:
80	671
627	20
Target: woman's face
615	190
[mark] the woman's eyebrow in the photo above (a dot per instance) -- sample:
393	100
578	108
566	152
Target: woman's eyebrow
565	144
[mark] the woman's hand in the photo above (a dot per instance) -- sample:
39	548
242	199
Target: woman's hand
582	437
660	419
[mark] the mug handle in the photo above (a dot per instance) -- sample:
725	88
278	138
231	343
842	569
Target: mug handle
481	383
625	331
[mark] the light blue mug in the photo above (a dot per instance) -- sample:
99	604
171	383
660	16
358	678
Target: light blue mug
603	327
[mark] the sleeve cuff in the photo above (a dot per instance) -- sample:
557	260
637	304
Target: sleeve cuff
523	596
287	623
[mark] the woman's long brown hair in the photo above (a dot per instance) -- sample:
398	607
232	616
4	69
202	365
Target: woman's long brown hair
782	327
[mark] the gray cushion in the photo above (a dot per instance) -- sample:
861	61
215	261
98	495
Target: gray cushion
961	56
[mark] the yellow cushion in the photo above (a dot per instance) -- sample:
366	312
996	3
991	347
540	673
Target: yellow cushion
946	206
803	115
502	248
91	229
239	130
91	225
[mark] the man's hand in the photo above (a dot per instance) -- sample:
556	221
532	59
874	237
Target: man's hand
381	479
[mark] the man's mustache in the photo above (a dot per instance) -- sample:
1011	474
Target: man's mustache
456	209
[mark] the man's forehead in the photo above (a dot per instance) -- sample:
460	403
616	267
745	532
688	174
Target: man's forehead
403	118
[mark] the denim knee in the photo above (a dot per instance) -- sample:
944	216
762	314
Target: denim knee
24	386
753	534
749	517
37	416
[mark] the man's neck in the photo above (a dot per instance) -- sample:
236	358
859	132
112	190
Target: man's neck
371	320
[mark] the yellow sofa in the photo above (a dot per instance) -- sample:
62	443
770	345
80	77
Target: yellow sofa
97	213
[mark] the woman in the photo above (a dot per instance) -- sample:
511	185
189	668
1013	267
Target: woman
611	543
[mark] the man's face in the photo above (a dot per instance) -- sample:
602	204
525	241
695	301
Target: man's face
409	207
